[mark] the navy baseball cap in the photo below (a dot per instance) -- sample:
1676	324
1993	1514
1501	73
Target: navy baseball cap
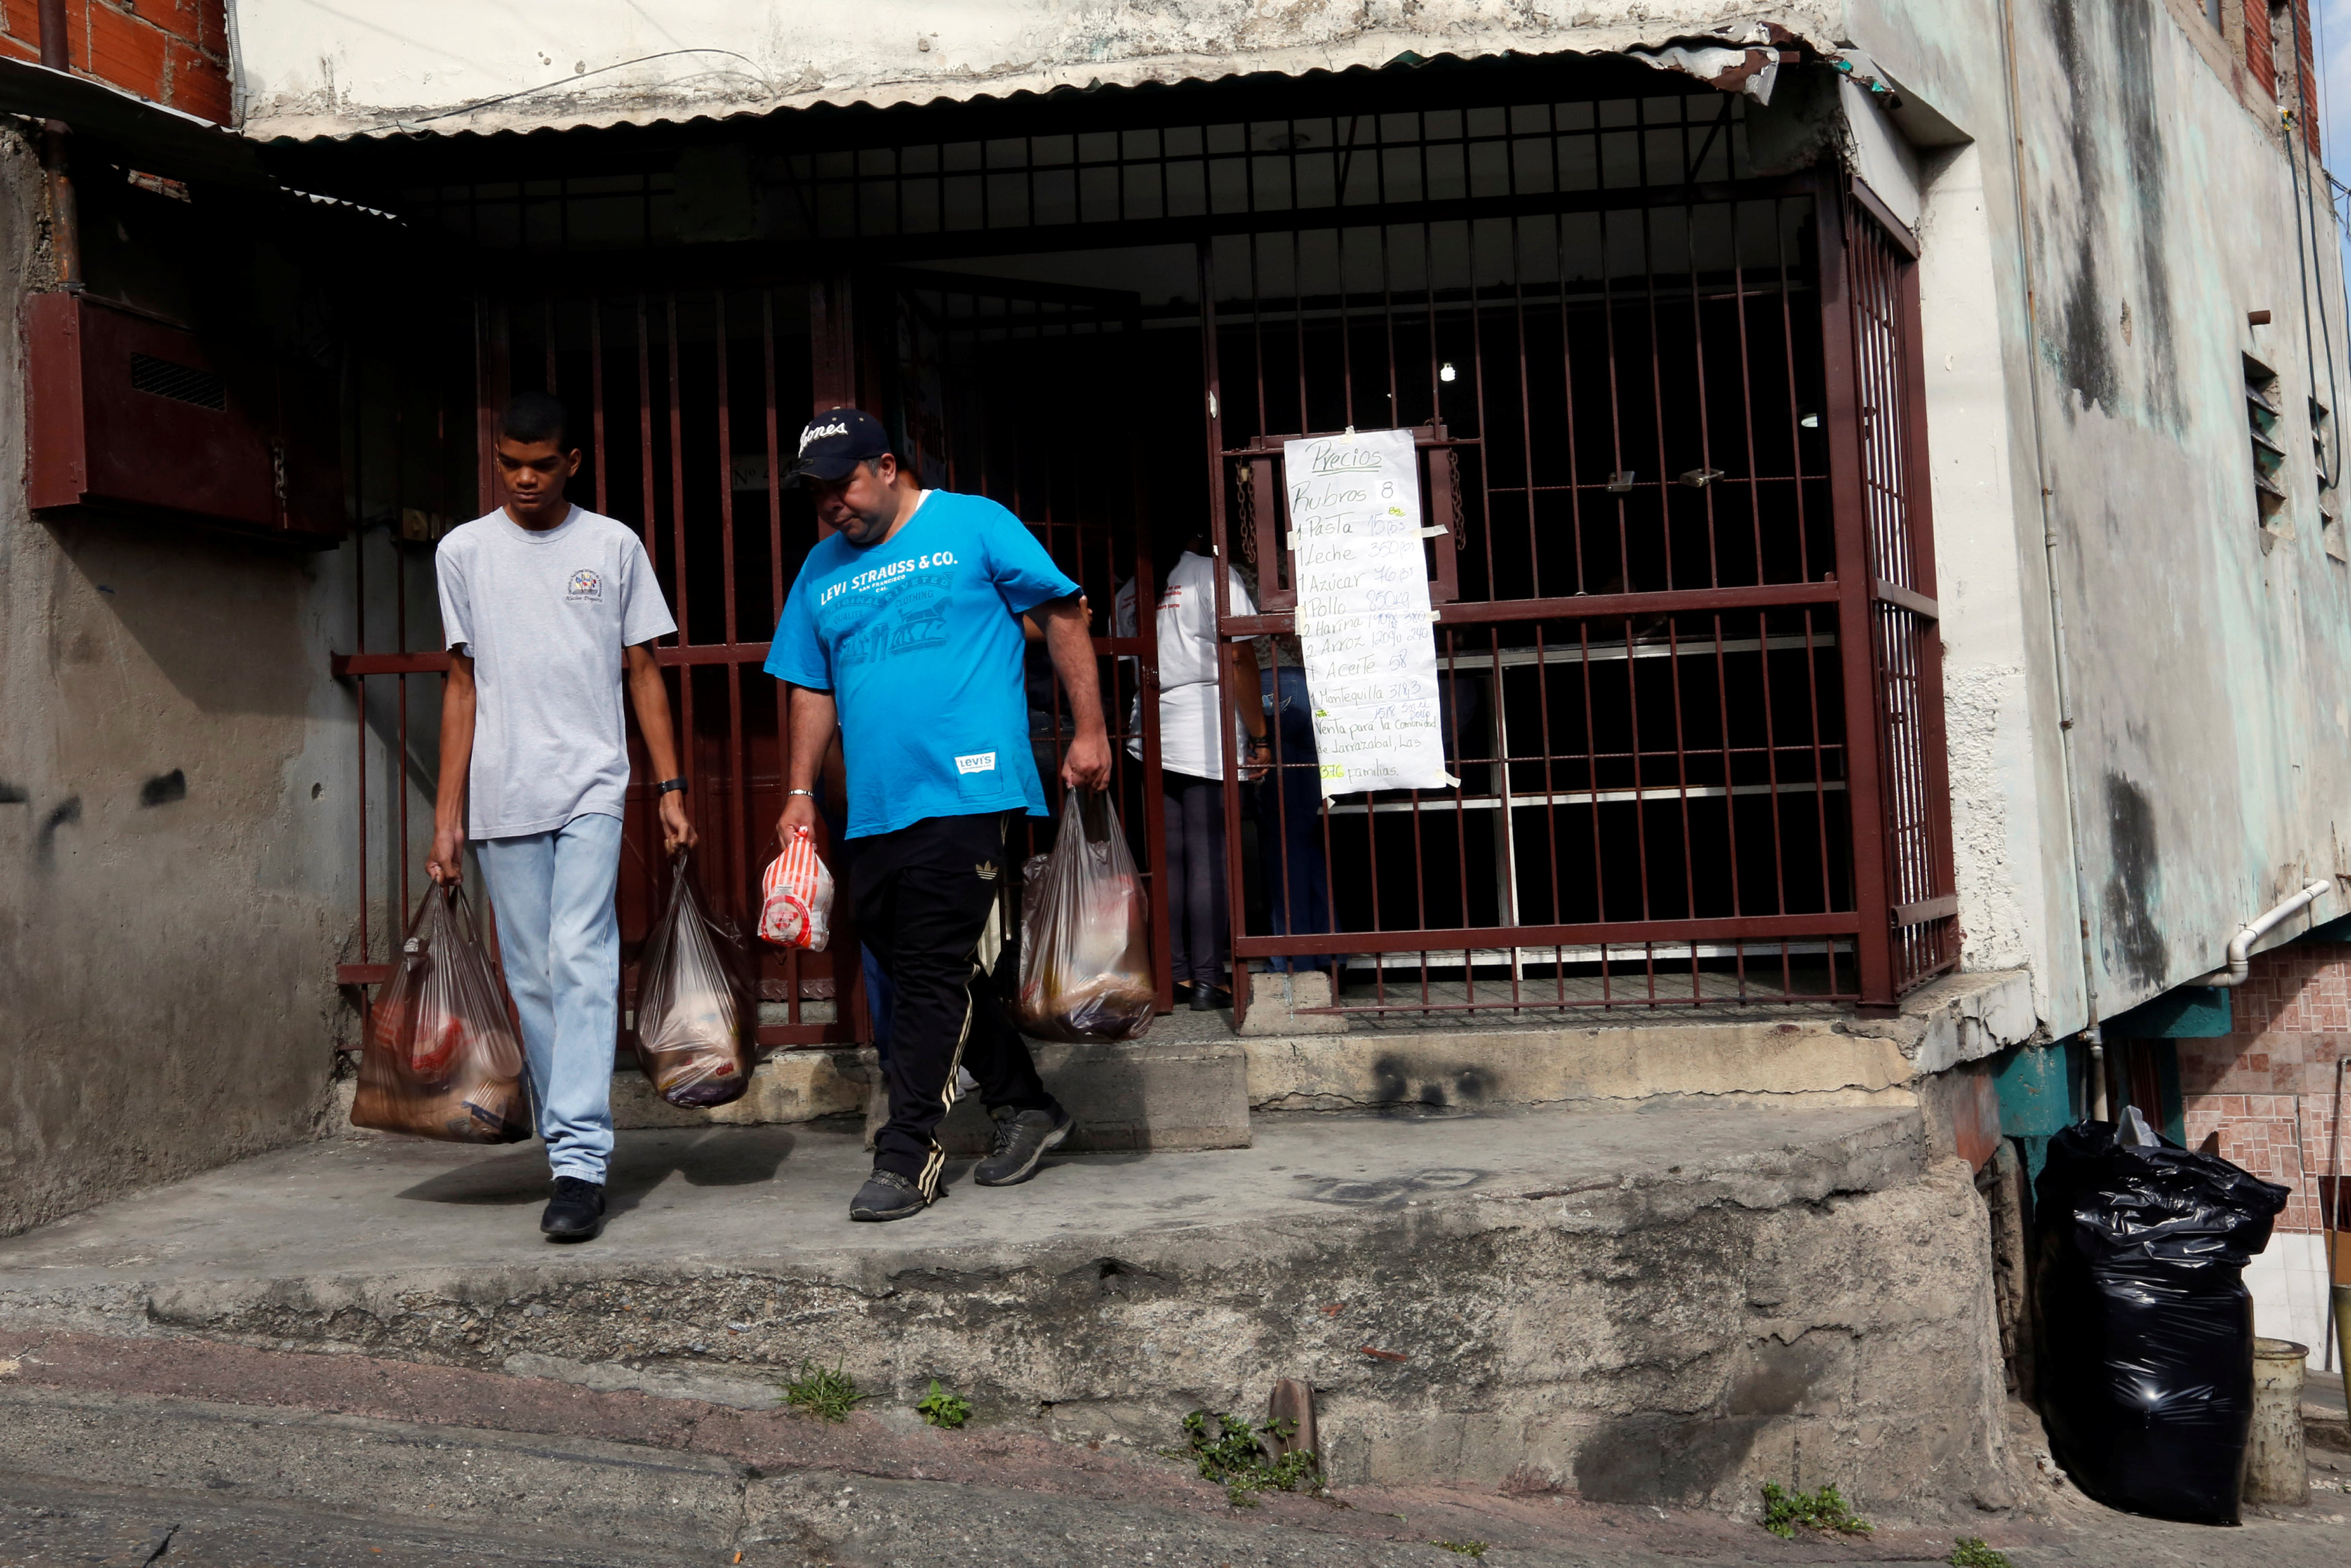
834	443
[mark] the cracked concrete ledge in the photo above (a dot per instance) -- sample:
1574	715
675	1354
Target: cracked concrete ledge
1640	1303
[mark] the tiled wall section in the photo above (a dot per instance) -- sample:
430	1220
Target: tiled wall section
2292	1018
172	51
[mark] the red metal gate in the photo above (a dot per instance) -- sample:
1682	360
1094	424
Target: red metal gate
1887	556
1670	411
689	401
1671	430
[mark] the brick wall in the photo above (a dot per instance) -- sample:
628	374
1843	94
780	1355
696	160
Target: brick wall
2292	1018
2307	75
172	51
2260	52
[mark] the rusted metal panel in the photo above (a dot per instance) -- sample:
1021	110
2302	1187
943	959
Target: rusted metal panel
127	411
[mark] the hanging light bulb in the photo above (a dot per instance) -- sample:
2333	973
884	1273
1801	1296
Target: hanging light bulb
1444	372
1810	422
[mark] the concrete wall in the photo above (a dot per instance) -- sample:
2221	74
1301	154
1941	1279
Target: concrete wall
2210	660
176	789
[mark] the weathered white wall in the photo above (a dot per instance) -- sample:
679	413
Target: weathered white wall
312	68
2211	679
167	996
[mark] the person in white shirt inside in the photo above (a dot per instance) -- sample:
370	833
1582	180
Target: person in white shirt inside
1192	738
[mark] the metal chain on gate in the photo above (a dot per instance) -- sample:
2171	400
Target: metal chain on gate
1245	513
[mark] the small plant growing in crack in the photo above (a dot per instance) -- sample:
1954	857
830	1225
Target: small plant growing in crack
941	1408
1971	1553
830	1395
1225	1447
1463	1548
1786	1513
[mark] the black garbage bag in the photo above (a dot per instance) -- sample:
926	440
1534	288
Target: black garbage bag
2147	1328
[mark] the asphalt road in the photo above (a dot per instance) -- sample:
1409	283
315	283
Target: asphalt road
830	1521
177	1452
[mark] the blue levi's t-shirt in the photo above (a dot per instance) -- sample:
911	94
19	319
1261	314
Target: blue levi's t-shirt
919	642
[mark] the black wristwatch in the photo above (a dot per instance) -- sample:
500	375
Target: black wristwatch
669	786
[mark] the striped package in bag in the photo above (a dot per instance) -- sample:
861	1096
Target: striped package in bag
798	912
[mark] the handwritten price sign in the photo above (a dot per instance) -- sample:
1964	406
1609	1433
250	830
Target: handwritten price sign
1362	610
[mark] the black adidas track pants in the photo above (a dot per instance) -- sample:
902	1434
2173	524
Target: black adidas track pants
927	902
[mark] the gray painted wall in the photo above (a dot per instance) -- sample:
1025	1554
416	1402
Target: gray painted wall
166	968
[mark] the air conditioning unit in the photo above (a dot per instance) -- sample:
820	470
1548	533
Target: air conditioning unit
126	412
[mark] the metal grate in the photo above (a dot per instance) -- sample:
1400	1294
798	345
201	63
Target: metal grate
1668	409
1641	660
879	184
1876	355
180	383
1175	173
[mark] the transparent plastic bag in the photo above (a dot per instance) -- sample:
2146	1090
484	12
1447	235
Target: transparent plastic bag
797	909
1085	953
441	1060
694	1012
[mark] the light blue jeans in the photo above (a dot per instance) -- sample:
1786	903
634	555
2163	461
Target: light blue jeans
559	941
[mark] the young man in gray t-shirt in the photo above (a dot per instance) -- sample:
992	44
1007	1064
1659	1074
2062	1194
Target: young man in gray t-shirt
548	611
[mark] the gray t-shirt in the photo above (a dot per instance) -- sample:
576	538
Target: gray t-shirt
546	617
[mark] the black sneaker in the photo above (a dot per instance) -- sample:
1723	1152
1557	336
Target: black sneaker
887	1195
576	1213
1021	1139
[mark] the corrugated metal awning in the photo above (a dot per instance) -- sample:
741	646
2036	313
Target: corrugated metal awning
164	140
1741	56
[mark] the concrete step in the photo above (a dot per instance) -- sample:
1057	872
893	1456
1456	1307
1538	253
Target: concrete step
1668	1303
1190	1081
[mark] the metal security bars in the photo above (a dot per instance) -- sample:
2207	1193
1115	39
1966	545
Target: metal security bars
1649	634
1887	560
1668	412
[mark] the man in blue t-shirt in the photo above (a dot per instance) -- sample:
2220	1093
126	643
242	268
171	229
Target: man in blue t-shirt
903	628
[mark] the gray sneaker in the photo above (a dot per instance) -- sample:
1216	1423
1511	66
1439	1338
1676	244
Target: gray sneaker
887	1195
1021	1139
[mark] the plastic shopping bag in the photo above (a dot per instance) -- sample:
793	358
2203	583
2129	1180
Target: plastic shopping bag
1085	955
2147	1326
798	911
694	1012
441	1060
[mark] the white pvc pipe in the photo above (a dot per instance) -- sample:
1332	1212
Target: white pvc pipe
2241	945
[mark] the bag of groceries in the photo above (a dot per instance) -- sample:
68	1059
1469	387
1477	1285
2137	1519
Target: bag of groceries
1085	955
440	1059
693	1013
797	910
